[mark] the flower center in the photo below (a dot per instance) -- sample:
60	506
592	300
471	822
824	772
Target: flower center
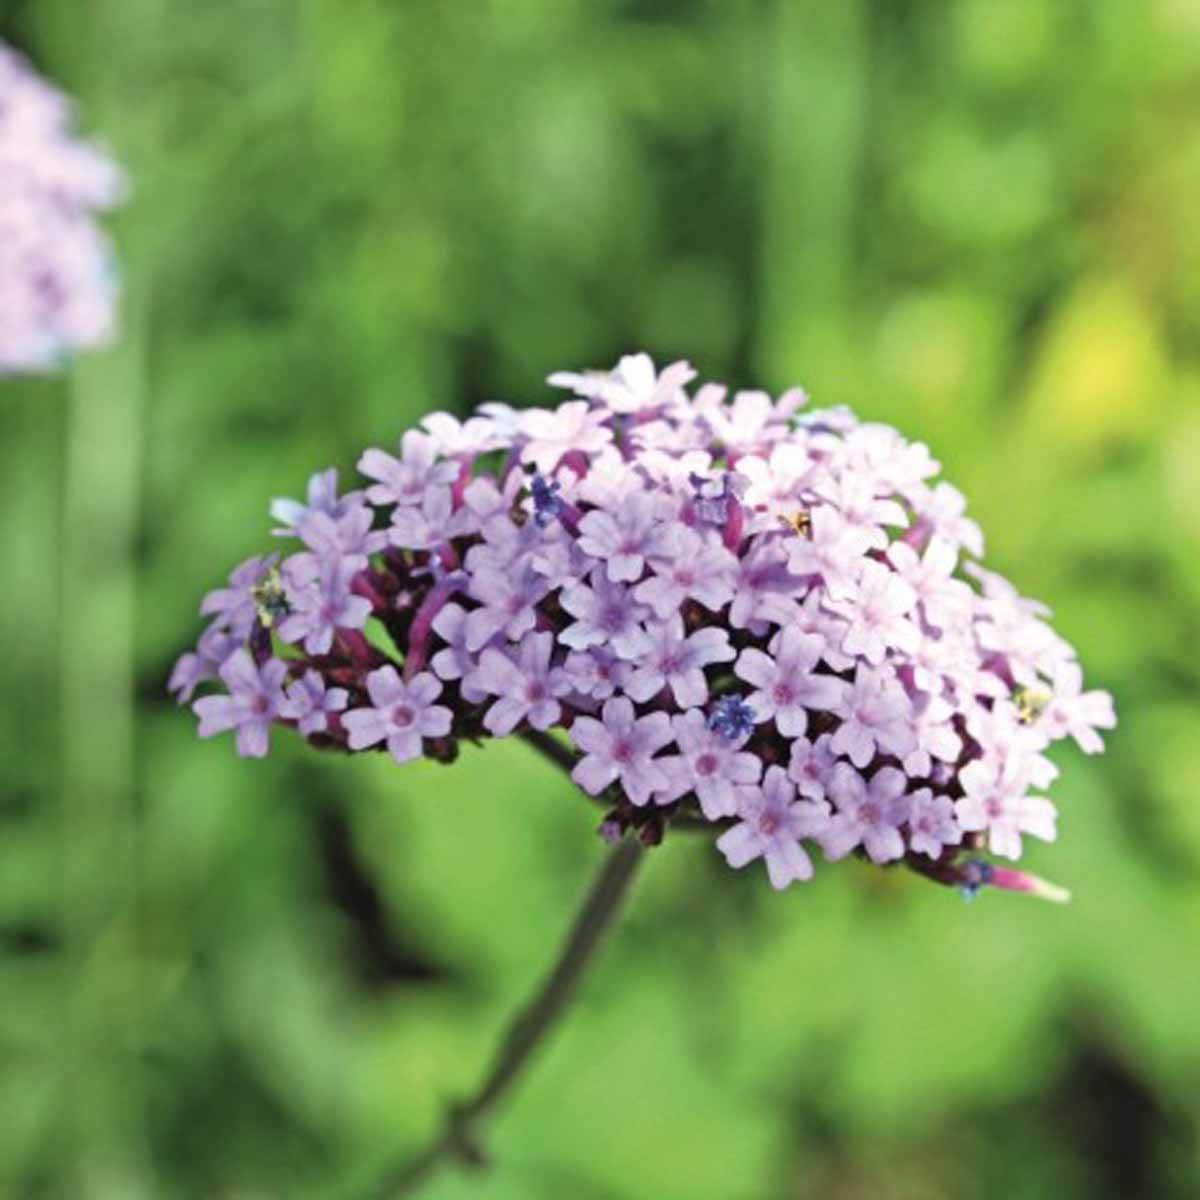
706	765
402	716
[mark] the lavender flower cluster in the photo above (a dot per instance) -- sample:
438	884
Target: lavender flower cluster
57	286
738	610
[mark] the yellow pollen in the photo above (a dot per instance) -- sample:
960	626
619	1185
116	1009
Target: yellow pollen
800	522
1031	703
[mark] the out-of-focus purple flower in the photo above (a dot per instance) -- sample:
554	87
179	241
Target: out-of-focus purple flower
709	764
621	746
309	702
402	714
527	686
788	685
772	825
869	812
255	699
58	283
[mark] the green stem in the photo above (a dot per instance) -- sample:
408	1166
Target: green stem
462	1128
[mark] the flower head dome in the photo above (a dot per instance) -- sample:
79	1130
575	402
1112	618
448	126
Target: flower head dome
739	611
57	285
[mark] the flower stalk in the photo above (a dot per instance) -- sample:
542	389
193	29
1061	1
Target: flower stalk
461	1135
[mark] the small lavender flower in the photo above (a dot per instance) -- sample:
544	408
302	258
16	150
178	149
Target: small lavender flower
597	673
255	699
834	551
632	386
997	800
236	607
402	714
811	766
877	617
788	685
677	661
430	523
876	716
455	661
688	568
620	746
709	764
573	428
869	812
321	603
192	669
508	604
604	615
771	827
322	497
624	539
527	686
932	826
403	481
309	703
714	497
1070	710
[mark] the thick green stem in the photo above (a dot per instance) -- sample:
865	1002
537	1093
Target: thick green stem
462	1129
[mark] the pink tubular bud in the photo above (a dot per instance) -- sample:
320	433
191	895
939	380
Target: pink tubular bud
1021	881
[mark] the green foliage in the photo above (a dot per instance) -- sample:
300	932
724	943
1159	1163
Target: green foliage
223	978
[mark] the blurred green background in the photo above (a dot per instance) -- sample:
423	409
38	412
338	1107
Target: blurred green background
976	220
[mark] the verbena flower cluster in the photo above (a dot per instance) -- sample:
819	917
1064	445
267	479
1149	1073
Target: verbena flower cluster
738	610
57	285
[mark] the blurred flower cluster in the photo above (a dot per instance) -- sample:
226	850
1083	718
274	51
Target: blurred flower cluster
740	611
57	283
